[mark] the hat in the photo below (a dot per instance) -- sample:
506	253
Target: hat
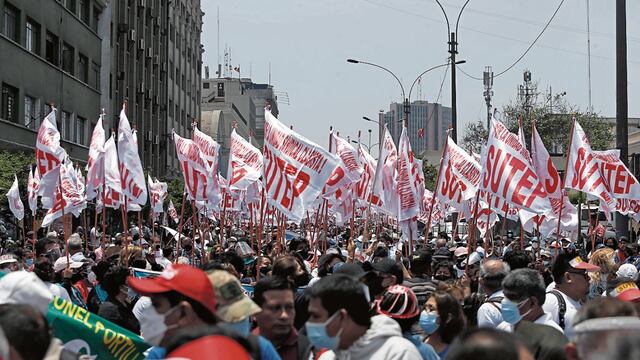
460	251
232	303
52	235
442	253
183	279
62	262
626	291
351	269
555	244
225	348
22	287
386	266
627	271
578	263
8	258
398	302
78	257
474	258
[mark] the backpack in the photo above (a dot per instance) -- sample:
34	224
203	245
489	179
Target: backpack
254	344
562	307
493	301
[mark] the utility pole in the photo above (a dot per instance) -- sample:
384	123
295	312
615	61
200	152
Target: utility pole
527	92
488	92
453	50
622	120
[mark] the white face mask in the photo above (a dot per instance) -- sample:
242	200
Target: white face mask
152	325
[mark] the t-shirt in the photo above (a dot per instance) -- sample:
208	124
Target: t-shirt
544	342
58	291
421	287
552	307
545	319
489	313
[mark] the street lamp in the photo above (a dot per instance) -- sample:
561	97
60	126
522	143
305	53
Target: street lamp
369	147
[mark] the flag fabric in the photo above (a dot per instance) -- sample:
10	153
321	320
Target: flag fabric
171	210
459	176
49	156
158	192
33	185
15	203
95	161
112	182
209	150
131	174
195	168
508	174
295	169
421	132
347	172
245	162
437	215
364	185
409	202
385	186
68	199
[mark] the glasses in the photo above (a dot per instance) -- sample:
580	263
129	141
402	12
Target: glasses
582	273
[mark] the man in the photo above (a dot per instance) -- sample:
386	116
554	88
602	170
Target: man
235	309
387	273
27	331
8	263
421	283
181	297
189	252
74	244
166	257
571	285
492	272
346	330
100	250
275	296
488	344
523	315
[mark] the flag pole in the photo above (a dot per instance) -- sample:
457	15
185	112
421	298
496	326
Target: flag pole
435	190
472	235
33	235
564	176
180	223
486	234
84	225
123	214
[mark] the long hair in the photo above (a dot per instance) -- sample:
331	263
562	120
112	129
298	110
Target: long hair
604	259
452	319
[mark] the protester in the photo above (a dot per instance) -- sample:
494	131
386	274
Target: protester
492	272
117	307
488	344
26	329
275	296
420	282
400	303
44	270
605	259
441	320
291	267
388	273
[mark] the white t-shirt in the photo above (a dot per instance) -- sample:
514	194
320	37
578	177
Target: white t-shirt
545	319
489	314
552	307
58	291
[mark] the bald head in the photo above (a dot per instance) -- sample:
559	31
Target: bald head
492	272
440	243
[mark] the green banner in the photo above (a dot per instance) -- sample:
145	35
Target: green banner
88	334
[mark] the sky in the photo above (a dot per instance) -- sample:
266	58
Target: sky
307	42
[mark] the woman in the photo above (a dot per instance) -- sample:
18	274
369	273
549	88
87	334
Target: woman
117	307
441	320
606	259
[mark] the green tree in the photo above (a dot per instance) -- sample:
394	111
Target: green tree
475	136
17	163
430	174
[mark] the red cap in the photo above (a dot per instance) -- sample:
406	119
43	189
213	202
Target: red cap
183	279
627	291
578	263
210	347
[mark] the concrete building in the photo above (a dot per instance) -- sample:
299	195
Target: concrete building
154	61
50	53
427	128
231	101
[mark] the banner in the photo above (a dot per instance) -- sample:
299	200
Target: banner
409	203
13	198
49	156
385	186
295	169
194	167
209	151
459	176
347	172
364	185
158	192
131	174
95	161
171	210
88	334
245	163
508	174
33	186
438	214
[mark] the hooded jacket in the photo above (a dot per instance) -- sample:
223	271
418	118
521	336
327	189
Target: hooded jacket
382	341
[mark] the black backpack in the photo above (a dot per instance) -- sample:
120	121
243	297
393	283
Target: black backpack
562	307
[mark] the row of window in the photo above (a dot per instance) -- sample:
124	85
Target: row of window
87	73
73	129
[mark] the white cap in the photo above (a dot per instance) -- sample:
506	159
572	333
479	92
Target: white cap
627	271
78	257
6	259
61	264
22	287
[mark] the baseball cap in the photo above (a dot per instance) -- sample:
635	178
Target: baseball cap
7	258
627	271
386	266
22	287
225	348
351	269
578	263
232	303
626	291
460	251
183	279
62	262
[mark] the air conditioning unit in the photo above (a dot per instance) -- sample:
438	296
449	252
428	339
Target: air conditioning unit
158	21
149	52
156	99
156	140
142	3
141	44
132	35
163	67
141	88
156	59
149	136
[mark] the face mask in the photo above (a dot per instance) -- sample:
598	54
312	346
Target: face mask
92	277
242	327
317	334
265	270
441	277
158	254
511	312
152	325
303	253
375	285
29	262
301	280
429	322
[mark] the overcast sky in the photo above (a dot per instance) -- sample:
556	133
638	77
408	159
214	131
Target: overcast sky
307	43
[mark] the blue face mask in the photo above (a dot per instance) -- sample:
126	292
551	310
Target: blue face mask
242	327
29	262
317	334
511	311
429	321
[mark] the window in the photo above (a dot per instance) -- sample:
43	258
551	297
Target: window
205	85
29	112
71	5
32	36
96	18
67	58
95	75
51	48
171	69
11	21
85	9
83	68
67	128
81	124
9	103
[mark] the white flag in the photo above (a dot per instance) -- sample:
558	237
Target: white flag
209	151
158	192
15	203
459	176
95	161
409	201
49	156
245	163
111	172
171	210
386	177
131	174
33	185
364	185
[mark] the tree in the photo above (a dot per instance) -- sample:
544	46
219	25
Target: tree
17	163
553	121
430	174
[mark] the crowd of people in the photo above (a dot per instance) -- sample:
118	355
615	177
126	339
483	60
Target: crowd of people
218	297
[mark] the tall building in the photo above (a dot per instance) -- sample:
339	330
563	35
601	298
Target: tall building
229	102
50	53
427	125
154	61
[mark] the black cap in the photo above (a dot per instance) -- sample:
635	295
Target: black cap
352	269
386	266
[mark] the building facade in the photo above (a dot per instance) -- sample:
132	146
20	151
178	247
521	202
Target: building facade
427	125
229	102
50	53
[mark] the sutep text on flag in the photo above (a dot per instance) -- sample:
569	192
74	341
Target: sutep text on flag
245	162
131	174
194	167
49	156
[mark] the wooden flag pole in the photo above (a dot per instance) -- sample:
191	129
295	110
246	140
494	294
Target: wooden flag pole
223	217
564	177
33	236
180	223
427	229
486	234
123	211
193	233
472	234
84	225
